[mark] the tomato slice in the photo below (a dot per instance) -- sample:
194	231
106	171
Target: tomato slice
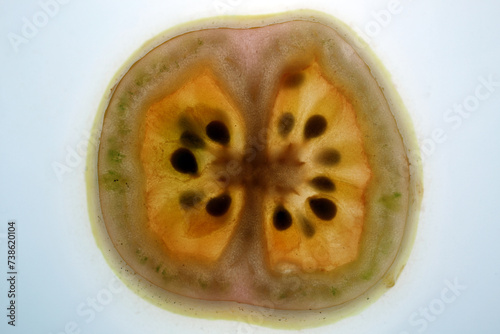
260	163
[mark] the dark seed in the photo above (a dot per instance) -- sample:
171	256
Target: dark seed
323	208
286	124
218	132
184	161
307	228
282	219
329	157
323	183
192	140
294	80
218	206
315	126
190	199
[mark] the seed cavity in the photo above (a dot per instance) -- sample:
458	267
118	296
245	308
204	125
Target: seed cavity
322	183
218	206
190	199
307	228
315	126
286	124
218	132
323	208
184	161
192	140
329	157
282	219
294	80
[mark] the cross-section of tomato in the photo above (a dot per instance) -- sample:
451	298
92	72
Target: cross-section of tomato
260	164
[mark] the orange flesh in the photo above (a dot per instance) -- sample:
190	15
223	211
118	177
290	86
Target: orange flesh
192	233
335	242
197	235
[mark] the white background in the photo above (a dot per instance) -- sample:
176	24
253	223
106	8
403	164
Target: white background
438	53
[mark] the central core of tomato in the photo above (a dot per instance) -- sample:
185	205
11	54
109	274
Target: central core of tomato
279	173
